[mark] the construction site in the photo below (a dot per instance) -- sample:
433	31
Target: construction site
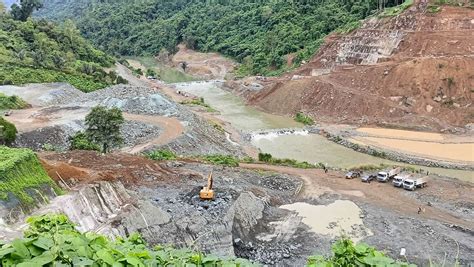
392	86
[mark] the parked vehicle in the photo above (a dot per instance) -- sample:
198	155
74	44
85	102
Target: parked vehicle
8	113
369	177
353	174
413	184
399	179
385	176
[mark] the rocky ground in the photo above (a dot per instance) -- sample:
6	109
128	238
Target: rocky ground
120	194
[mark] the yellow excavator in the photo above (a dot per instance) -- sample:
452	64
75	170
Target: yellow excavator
206	192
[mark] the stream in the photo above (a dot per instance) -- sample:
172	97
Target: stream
299	145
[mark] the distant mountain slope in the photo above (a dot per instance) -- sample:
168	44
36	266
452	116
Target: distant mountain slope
263	35
412	70
61	10
40	51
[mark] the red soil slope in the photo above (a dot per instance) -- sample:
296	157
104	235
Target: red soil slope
415	70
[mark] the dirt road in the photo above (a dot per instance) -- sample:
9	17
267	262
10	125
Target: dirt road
385	195
172	129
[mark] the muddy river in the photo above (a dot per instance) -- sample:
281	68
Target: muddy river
300	145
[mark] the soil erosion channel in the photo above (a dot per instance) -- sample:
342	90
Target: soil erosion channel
297	145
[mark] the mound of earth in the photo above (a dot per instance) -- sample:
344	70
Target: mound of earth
412	70
204	65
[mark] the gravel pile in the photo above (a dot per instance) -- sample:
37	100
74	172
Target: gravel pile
49	138
277	182
138	100
134	132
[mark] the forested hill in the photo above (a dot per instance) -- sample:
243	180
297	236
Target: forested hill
257	33
35	51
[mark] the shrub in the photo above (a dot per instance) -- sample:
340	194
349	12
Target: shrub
264	157
161	155
151	73
12	102
306	120
224	160
248	160
80	142
199	102
7	132
346	253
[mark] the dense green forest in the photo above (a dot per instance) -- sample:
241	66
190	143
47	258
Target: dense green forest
258	34
39	51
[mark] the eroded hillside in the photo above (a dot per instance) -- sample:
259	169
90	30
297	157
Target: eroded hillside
413	70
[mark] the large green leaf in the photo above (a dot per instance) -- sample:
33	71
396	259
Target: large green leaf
44	243
6	251
20	249
44	258
82	261
134	261
105	256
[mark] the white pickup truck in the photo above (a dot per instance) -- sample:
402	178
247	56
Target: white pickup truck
385	176
399	179
413	184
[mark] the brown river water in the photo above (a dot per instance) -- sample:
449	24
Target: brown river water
300	145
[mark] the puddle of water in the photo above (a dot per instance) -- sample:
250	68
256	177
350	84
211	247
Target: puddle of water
336	219
234	110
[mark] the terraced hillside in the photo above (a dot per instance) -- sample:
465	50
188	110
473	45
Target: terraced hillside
411	70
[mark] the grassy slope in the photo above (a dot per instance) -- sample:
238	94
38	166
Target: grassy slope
21	171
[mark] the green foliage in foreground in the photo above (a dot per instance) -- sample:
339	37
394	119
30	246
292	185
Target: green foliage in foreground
52	240
161	155
22	175
224	160
80	142
7	132
301	117
11	102
345	253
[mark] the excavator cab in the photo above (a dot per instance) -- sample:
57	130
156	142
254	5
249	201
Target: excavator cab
206	192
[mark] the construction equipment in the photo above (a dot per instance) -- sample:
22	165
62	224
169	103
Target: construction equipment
206	192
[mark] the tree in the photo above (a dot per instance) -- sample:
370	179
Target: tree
25	9
7	132
103	127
